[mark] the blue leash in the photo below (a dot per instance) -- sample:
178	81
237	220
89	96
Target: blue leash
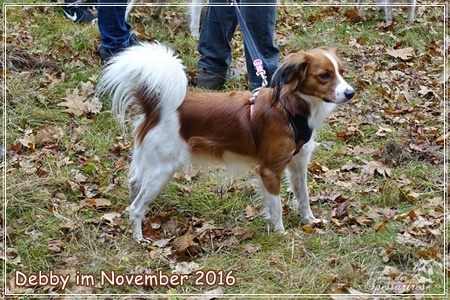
251	47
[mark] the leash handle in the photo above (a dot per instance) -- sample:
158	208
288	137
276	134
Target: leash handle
251	47
260	71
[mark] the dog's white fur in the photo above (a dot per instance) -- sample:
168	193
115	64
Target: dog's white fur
152	72
388	9
195	11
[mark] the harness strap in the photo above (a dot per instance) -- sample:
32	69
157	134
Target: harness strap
252	103
299	123
302	132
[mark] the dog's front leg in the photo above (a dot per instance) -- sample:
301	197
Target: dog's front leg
195	12
130	6
411	10
297	174
271	194
388	14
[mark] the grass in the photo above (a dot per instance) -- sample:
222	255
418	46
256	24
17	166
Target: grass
73	159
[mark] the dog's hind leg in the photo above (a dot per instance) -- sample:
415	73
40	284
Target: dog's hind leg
145	192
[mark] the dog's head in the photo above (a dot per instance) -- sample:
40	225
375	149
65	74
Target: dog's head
315	76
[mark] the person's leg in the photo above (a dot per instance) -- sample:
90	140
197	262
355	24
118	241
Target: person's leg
114	30
217	31
261	21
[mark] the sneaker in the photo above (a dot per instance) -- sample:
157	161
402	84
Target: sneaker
106	54
78	14
214	80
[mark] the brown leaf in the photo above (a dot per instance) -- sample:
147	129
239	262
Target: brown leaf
308	229
430	253
151	234
387	253
12	256
250	212
251	248
364	221
101	202
316	167
380	227
403	54
353	15
248	236
78	104
373	167
349	166
54	245
186	241
185	268
113	219
48	134
230	242
28	140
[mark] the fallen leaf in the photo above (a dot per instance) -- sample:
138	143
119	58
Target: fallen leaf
373	167
79	104
250	212
101	202
380	227
251	248
54	245
28	140
387	253
404	54
185	241
113	219
12	256
353	15
308	229
185	268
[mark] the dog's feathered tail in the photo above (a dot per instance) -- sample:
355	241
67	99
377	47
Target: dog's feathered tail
149	75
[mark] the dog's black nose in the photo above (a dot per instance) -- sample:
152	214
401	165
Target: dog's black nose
349	93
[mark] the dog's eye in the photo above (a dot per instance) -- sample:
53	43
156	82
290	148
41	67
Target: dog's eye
325	76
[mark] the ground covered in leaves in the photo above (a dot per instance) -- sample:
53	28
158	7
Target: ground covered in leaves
377	176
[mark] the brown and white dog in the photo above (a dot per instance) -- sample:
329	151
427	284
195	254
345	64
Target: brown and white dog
174	127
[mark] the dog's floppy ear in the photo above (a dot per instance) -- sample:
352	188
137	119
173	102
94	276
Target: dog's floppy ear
289	76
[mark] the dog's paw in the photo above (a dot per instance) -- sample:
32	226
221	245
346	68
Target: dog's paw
278	226
315	221
143	241
281	231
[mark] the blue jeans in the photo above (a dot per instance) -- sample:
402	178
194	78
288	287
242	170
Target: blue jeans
114	29
218	28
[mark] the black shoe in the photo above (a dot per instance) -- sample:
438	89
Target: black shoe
214	80
107	54
78	14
